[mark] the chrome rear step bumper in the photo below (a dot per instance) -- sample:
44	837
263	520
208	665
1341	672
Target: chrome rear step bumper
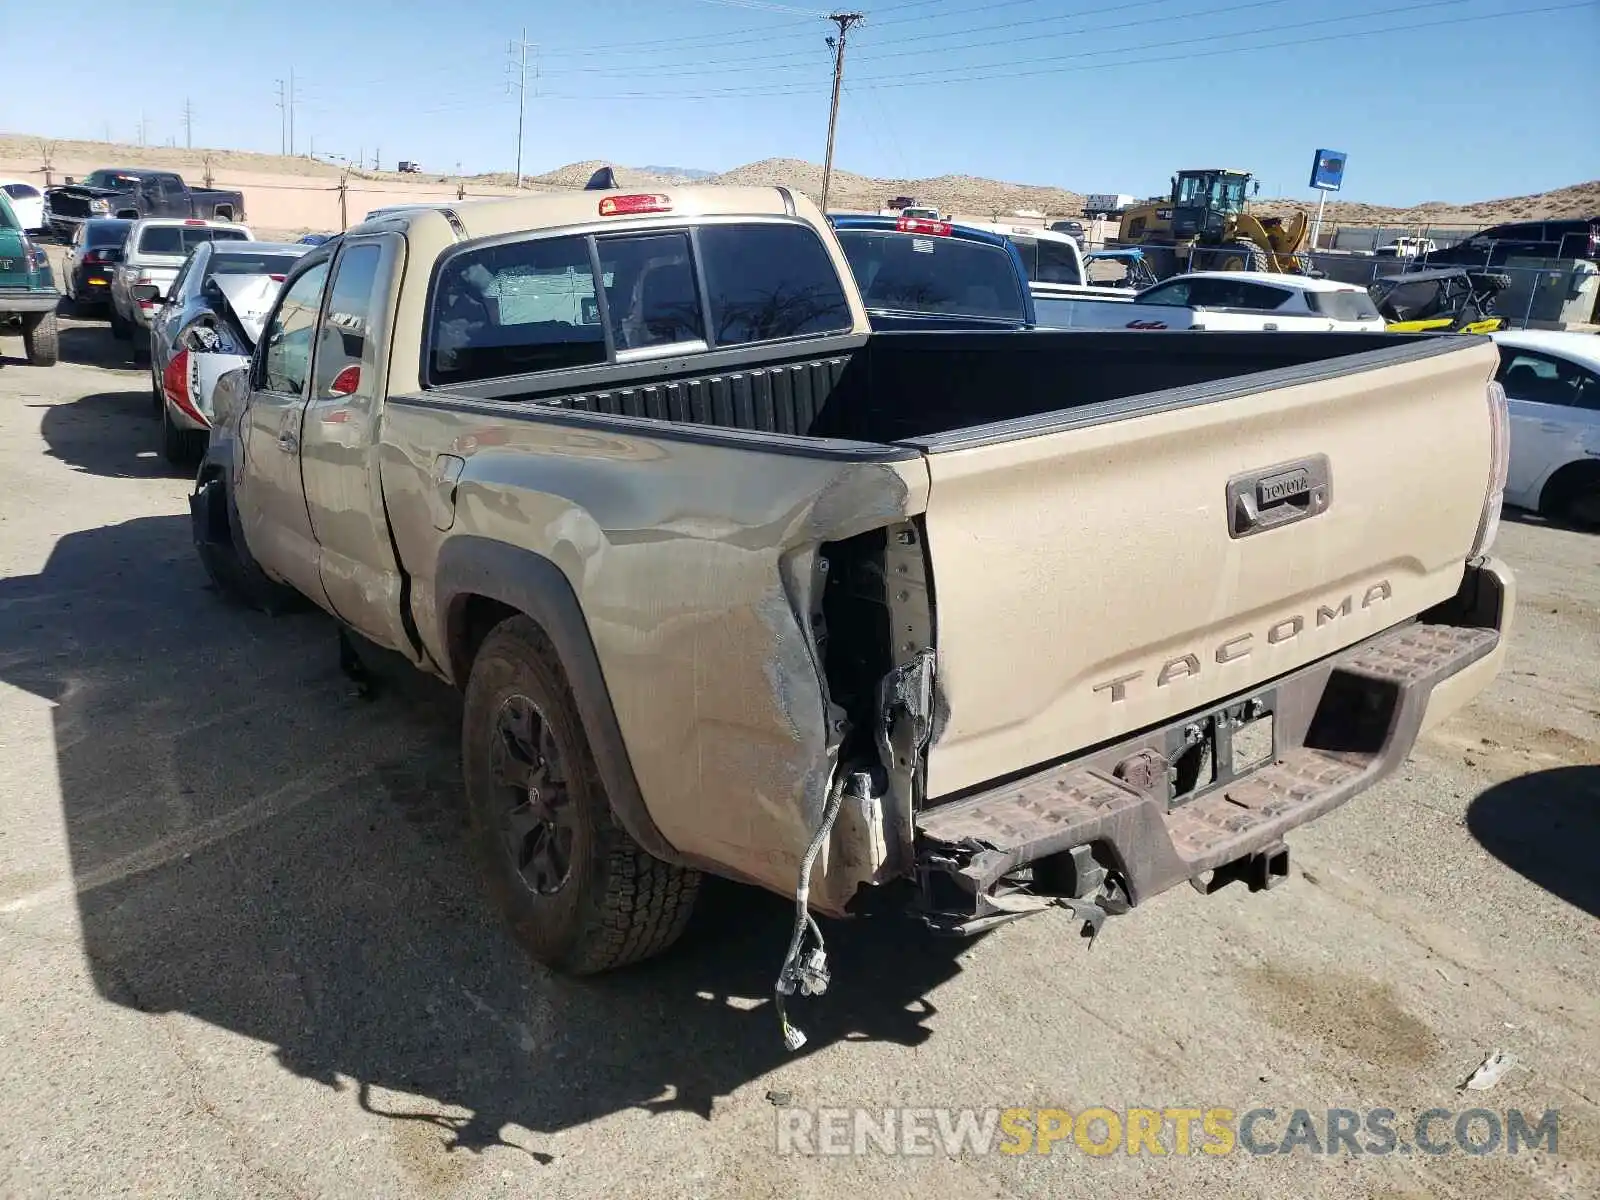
1339	726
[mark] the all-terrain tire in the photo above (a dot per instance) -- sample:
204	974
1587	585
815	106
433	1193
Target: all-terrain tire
41	338
618	904
219	541
158	399
119	327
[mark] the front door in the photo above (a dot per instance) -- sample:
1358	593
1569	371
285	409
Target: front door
269	492
338	448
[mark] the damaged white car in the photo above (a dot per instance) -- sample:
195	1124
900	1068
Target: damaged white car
208	326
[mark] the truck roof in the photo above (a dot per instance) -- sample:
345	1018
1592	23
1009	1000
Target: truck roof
548	210
971	233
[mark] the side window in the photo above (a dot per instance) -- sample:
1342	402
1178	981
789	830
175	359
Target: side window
1540	379
1057	264
514	308
343	340
770	281
1260	296
650	290
286	341
1169	293
1210	292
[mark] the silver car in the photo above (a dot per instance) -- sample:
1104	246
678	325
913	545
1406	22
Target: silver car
208	325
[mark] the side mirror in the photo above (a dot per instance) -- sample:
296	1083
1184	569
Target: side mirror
145	292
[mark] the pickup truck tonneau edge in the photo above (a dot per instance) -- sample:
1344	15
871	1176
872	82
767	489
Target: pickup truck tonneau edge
1027	618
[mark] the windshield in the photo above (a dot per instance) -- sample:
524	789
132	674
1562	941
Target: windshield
8	219
21	191
899	272
1214	191
105	233
250	264
180	239
115	181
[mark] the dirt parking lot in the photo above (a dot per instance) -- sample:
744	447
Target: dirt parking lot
245	954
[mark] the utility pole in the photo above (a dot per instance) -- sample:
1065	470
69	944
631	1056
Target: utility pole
141	129
188	124
291	112
517	63
377	158
283	120
845	21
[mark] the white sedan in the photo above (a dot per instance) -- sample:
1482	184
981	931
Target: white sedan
1552	383
27	201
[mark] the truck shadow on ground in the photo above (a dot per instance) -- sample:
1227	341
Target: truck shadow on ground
253	846
1546	826
109	433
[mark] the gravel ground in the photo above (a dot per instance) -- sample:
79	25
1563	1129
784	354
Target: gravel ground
245	953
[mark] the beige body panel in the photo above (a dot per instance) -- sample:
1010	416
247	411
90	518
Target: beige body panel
690	563
1069	560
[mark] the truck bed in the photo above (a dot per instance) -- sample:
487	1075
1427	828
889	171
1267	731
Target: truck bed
1082	560
893	386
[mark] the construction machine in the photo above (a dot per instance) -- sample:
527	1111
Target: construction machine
1205	223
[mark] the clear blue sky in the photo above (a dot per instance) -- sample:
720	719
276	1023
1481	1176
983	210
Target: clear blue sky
1440	99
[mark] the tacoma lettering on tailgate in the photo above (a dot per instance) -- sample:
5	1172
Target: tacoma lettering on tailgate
1187	666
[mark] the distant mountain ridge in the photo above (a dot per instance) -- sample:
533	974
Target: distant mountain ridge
691	173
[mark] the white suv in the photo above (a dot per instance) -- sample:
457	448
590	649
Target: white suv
1552	383
156	248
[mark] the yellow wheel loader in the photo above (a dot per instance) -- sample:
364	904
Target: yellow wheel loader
1204	224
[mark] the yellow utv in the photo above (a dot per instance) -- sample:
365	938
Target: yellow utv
1443	300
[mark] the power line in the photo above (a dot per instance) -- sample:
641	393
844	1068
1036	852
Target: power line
845	21
1006	71
733	65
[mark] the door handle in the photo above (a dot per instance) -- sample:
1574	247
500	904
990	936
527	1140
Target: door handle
1278	495
287	442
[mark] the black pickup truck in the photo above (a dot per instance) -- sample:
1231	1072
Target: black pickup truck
131	194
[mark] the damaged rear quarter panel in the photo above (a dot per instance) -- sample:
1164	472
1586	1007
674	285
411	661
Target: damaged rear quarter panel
690	556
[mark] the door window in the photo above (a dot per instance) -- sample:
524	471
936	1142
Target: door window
345	335
286	341
650	290
1543	379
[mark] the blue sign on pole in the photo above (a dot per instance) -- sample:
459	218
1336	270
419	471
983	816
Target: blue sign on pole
1327	170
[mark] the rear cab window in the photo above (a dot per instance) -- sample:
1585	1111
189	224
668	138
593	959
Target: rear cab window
924	273
566	301
181	239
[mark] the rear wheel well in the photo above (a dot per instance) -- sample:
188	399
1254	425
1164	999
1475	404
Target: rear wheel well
472	618
1566	484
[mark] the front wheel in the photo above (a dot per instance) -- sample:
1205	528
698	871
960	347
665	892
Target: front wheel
219	542
580	895
41	339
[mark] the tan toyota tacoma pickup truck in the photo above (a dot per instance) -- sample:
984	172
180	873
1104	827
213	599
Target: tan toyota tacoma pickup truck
732	584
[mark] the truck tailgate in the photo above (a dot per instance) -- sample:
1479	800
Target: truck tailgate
1101	572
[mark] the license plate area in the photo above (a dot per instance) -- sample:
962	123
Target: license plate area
1218	748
